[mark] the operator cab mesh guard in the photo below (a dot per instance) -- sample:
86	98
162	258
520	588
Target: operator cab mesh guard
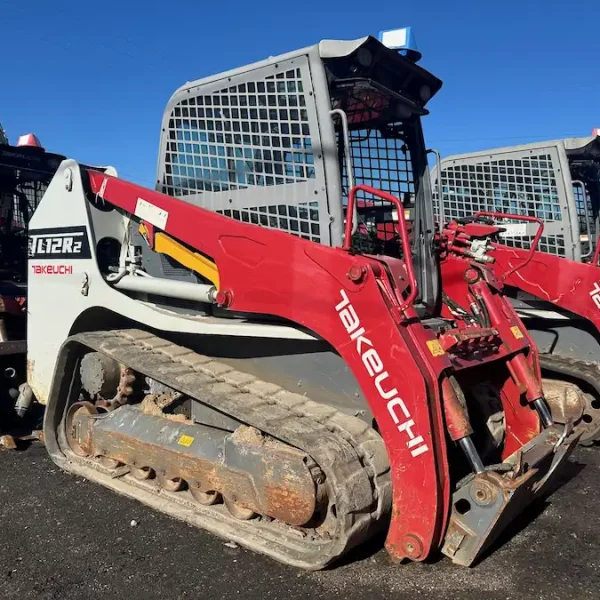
557	181
265	144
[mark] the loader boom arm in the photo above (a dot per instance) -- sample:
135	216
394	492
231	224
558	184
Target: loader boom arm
571	285
271	272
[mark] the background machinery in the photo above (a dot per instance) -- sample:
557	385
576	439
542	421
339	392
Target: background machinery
556	181
25	172
231	358
555	184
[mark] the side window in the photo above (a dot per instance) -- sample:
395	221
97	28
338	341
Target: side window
251	150
252	134
585	216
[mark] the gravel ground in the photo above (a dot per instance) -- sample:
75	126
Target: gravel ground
64	538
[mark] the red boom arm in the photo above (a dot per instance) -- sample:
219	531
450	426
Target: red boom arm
271	272
352	302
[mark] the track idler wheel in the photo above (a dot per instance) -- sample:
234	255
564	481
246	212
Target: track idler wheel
591	418
79	441
569	403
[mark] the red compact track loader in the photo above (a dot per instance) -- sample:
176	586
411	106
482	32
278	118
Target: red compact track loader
221	350
531	214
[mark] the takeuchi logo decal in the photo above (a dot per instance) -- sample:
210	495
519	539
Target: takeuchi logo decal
376	370
52	269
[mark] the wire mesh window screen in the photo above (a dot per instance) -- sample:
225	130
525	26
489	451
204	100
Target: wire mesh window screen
246	136
383	163
301	220
17	207
251	134
522	186
587	226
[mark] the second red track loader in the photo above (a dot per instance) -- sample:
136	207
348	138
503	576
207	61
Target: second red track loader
264	379
571	287
498	200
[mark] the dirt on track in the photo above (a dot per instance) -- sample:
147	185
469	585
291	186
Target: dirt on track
63	538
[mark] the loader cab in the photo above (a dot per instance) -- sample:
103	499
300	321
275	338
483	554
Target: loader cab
382	96
557	181
281	142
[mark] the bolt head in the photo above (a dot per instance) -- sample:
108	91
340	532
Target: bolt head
471	275
68	175
224	298
357	273
482	493
412	546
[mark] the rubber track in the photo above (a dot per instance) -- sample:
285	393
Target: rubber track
587	371
351	454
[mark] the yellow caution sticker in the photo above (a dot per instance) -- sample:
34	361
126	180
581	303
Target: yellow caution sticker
516	332
185	440
435	348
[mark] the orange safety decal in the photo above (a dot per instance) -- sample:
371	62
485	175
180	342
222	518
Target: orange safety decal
516	332
435	348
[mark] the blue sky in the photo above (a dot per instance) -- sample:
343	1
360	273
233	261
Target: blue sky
92	79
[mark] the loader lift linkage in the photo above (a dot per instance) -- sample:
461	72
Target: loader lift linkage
538	206
182	390
566	284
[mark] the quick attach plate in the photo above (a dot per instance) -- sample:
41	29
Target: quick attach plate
487	503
